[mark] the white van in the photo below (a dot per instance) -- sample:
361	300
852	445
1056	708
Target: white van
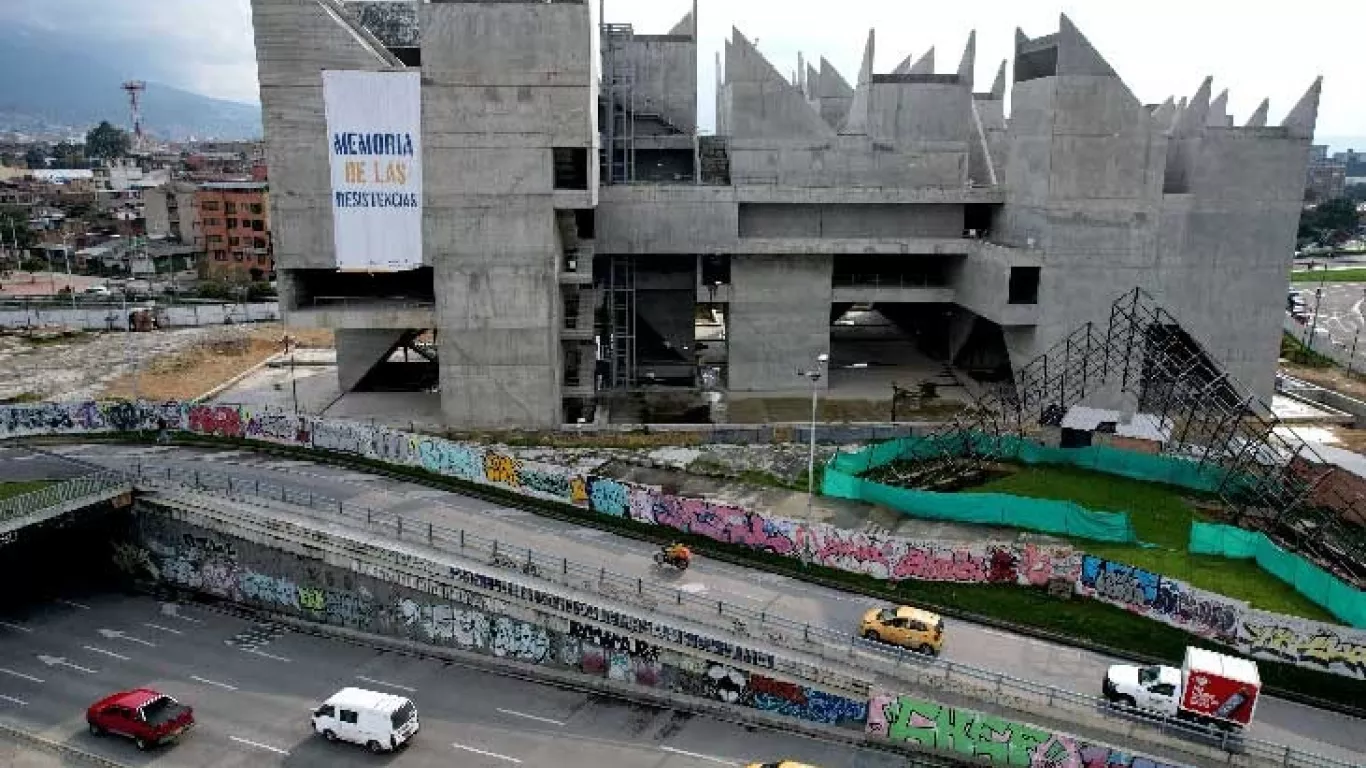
380	721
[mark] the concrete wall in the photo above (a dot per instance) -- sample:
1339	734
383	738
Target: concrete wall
665	72
503	84
761	220
358	351
931	112
295	41
847	161
666	219
779	321
115	317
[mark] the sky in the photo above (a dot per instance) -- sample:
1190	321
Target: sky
1159	47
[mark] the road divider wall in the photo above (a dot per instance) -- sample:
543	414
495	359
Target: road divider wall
1313	645
284	572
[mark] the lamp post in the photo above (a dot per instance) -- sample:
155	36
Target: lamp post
1314	326
814	374
66	253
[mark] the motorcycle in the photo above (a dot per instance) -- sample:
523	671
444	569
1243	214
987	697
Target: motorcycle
662	560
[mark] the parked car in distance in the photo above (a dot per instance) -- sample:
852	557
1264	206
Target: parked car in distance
381	722
781	764
147	717
913	628
97	290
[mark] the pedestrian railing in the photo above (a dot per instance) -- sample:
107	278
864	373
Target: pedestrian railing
889	666
93	487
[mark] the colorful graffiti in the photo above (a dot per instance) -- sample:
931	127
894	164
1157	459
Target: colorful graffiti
1173	602
1324	647
799	701
987	738
1167	600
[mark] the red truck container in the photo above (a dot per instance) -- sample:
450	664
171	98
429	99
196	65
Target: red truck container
1218	687
147	717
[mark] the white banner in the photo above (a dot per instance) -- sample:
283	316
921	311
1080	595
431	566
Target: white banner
374	138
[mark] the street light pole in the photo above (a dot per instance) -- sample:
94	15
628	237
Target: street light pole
814	374
1314	326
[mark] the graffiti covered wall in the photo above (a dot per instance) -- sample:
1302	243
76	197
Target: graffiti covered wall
1205	614
989	739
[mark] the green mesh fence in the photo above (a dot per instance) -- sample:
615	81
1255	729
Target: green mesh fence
842	480
1337	597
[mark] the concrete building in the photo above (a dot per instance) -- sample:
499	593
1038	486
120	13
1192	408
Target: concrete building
170	211
581	239
1327	179
232	228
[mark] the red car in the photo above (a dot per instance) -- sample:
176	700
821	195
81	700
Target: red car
143	715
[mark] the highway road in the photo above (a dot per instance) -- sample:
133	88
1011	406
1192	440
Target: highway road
253	687
1313	730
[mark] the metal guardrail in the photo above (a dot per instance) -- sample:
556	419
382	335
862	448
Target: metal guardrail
86	486
838	646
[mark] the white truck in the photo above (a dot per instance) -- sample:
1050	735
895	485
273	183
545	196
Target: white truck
1209	689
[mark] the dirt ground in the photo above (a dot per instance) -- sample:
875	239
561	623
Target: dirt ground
1330	378
190	372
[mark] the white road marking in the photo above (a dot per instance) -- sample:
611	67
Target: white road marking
60	661
693	588
20	702
206	681
114	634
263	654
486	754
14	627
74	605
387	685
111	654
259	745
708	758
21	675
163	629
173	610
515	713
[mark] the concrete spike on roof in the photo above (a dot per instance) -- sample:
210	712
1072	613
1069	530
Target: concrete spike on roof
1218	111
719	80
744	63
1164	115
1258	118
791	113
998	86
925	66
832	83
965	64
813	81
1192	121
1020	39
857	120
799	77
684	25
1076	55
1300	122
905	66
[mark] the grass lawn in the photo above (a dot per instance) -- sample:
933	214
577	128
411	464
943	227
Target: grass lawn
19	489
1334	276
1162	516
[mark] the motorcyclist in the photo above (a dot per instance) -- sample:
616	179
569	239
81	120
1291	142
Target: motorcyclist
678	554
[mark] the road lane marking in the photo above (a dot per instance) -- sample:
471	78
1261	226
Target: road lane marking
486	754
21	675
259	745
14	627
173	610
60	661
708	758
114	634
163	629
515	713
20	702
74	605
111	654
389	685
255	652
214	682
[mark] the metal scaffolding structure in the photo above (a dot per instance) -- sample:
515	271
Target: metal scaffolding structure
619	102
1271	480
621	319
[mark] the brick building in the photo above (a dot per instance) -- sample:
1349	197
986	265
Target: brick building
233	230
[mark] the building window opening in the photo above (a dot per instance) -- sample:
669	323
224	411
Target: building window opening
1024	285
571	168
715	269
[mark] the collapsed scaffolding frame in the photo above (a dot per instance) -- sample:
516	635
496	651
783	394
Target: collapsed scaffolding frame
1271	479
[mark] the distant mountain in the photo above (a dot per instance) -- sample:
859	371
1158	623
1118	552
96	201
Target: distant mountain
62	86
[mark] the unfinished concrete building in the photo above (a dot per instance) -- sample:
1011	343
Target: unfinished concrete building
582	239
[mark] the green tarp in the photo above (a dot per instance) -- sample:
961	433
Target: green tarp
1338	598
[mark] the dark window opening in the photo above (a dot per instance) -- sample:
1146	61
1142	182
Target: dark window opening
977	220
1024	285
585	223
716	269
411	57
1031	65
324	287
571	168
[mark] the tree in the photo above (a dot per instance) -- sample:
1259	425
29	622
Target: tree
106	142
14	226
1330	222
69	155
35	157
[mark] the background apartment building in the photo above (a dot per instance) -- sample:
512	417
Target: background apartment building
232	229
581	240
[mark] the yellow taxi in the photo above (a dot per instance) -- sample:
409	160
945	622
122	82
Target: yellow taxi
781	764
913	628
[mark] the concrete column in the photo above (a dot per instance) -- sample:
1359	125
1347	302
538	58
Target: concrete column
359	351
779	320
